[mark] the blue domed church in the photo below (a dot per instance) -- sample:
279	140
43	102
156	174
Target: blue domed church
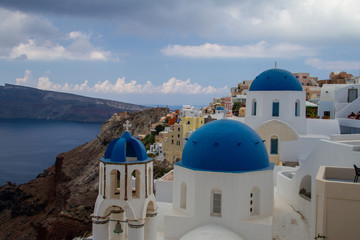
275	108
223	185
125	207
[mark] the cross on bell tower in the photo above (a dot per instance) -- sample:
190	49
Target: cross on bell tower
127	125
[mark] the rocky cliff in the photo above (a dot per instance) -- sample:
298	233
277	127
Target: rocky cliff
58	203
31	103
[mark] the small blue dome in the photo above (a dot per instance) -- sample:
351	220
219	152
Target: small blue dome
225	146
219	108
276	80
125	146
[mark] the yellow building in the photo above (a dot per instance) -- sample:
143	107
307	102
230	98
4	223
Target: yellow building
174	143
191	124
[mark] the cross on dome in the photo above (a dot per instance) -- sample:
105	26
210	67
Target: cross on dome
127	125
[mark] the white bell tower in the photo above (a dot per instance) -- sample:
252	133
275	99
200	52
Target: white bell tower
125	207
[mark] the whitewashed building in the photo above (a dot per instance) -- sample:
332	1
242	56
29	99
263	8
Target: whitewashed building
123	211
224	179
276	111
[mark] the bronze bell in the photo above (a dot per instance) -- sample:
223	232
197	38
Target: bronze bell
118	228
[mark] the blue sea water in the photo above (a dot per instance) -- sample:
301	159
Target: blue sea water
171	107
27	147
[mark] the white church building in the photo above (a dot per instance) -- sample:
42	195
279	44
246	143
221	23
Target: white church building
224	180
223	187
224	184
276	111
124	210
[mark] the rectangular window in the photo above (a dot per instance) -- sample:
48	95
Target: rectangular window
254	109
297	108
352	94
274	146
216	204
275	112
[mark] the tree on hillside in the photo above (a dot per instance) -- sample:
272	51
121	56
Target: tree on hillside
159	128
148	140
236	106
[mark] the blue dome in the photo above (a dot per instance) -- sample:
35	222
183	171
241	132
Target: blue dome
219	108
276	80
225	146
125	146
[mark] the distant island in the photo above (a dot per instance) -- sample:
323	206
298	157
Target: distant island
19	102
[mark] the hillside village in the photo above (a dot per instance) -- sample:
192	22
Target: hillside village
273	160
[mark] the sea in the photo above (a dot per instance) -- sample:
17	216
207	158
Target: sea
171	107
28	147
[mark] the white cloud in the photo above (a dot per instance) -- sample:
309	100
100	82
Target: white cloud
22	81
260	50
340	65
45	84
280	20
78	34
172	86
81	87
16	27
298	20
80	49
121	86
30	37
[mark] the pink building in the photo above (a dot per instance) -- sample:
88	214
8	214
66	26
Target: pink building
228	106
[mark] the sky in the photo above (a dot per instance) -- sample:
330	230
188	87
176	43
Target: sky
171	52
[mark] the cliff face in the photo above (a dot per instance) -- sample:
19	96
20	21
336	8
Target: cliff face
58	203
31	103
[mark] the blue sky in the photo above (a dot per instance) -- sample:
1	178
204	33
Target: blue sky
171	52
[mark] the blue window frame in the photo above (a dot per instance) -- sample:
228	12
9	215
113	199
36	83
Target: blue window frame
275	110
297	108
274	145
254	108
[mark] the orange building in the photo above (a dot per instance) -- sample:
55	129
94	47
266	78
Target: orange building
306	80
336	78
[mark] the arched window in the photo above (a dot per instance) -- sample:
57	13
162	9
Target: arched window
253	112
297	108
274	145
255	201
275	108
216	203
101	181
150	181
183	195
115	183
136	190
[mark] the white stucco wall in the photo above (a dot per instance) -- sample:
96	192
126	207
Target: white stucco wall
349	125
164	191
341	94
323	127
235	190
326	106
287	99
348	109
297	151
327	153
